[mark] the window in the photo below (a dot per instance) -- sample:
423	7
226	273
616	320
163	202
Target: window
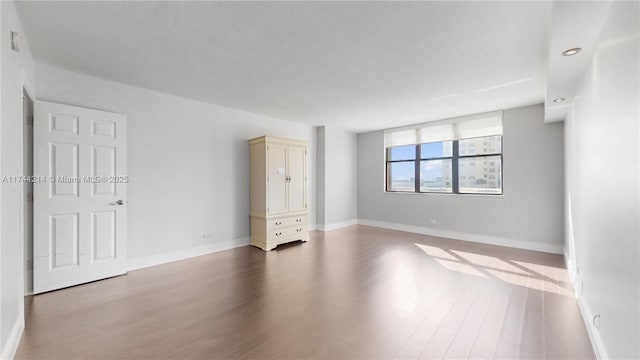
401	168
488	179
436	160
446	158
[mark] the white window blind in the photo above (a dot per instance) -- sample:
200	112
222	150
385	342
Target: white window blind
488	124
482	126
400	137
436	133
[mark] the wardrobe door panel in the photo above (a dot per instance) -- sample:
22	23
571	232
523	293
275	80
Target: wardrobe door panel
277	179
297	178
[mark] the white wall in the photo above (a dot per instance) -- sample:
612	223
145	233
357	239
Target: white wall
602	197
337	178
2	341
320	176
340	176
528	215
16	68
188	161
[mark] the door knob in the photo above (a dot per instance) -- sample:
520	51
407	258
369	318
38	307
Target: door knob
119	202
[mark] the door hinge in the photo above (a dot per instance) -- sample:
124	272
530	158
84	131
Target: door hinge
30	120
267	178
29	196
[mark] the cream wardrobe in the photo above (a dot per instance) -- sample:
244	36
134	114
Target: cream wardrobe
278	191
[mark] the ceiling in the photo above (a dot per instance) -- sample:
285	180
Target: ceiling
573	24
357	65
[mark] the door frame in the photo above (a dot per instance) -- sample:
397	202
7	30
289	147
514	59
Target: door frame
27	243
27	89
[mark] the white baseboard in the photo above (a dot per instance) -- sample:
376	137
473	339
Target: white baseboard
147	261
596	340
336	226
483	239
571	268
10	348
587	316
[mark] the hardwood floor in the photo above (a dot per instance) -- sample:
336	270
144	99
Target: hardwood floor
358	292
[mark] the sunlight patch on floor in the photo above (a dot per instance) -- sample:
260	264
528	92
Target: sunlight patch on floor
515	272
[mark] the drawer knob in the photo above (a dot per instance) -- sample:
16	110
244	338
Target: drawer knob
278	233
278	223
298	220
298	230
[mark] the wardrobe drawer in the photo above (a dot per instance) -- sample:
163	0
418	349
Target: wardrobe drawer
287	221
298	220
292	232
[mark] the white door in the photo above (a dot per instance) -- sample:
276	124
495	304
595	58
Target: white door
296	158
277	179
80	195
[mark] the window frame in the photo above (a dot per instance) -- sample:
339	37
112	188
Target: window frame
455	157
482	156
420	159
388	163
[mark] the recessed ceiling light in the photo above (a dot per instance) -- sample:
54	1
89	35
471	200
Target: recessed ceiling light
559	100
571	52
